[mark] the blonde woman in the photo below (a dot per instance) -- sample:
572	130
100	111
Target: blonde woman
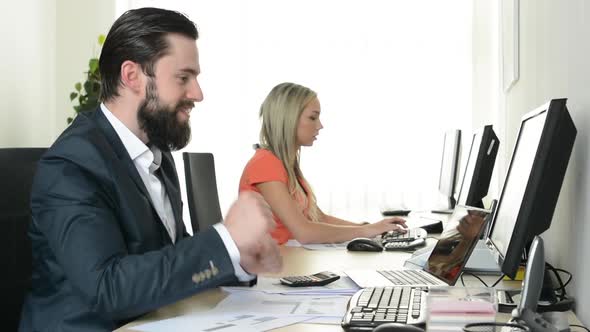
291	119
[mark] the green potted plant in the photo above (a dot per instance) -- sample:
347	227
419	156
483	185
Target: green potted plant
86	94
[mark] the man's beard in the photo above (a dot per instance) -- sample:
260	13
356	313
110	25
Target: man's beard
160	121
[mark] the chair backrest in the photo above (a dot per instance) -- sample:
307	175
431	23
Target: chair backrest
17	168
201	188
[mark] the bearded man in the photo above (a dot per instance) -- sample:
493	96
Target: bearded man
108	239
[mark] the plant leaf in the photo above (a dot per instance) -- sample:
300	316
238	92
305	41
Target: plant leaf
87	86
93	65
89	98
95	88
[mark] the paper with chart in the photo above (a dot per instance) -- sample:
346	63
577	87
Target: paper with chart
273	304
220	322
342	286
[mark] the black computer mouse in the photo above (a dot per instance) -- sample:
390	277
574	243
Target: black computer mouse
395	327
364	244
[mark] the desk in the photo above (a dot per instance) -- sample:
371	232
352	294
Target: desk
299	261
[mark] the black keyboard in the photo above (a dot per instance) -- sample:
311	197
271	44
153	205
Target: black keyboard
371	307
411	235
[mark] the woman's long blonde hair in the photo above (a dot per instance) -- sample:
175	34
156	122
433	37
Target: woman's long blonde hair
280	113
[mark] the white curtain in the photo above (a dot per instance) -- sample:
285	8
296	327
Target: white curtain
391	77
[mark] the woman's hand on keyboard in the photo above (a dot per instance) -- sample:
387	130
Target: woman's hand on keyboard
395	224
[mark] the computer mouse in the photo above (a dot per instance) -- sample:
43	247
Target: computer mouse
391	327
364	244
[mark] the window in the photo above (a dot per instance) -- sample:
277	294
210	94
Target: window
391	78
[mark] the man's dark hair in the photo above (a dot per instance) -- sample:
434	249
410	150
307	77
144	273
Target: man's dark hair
139	35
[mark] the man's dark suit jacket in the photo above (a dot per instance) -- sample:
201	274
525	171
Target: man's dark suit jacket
101	256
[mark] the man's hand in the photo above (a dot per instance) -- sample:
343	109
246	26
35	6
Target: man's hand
249	222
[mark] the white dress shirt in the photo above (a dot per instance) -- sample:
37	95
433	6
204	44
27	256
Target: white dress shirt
147	160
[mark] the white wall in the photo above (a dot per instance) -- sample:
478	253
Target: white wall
78	25
554	63
46	47
485	78
27	87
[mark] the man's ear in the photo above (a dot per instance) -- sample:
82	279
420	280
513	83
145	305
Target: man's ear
132	76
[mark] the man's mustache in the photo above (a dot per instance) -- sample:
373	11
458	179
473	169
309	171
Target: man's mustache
185	104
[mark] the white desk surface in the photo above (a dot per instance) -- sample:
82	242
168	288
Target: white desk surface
299	261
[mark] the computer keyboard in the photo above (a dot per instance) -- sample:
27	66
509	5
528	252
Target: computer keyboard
371	307
410	277
411	235
404	245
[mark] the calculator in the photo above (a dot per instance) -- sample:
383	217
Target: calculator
318	279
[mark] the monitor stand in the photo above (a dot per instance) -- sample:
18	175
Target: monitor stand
482	260
451	206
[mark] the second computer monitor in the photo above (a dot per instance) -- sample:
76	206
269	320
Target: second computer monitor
448	167
479	168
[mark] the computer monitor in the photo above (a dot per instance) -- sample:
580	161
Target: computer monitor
449	164
533	181
479	168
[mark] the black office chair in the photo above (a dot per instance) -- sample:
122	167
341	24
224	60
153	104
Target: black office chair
201	189
17	168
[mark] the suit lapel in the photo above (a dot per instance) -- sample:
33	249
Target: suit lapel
121	152
168	174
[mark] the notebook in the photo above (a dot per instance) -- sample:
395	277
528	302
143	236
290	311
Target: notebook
446	261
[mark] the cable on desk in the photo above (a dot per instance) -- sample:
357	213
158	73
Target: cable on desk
471	274
562	295
498	281
562	285
483	282
580	326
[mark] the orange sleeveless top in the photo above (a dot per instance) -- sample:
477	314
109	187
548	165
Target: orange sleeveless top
264	166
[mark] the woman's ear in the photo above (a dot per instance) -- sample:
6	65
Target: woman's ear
132	76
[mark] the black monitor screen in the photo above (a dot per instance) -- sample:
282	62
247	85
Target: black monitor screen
543	147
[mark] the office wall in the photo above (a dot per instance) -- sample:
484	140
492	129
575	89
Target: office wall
554	63
46	47
76	43
27	87
485	77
